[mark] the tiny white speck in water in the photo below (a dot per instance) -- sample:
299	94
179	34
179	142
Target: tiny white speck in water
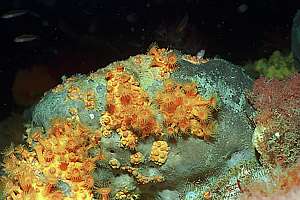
200	53
92	116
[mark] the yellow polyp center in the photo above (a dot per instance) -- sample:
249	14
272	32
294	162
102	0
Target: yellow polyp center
203	115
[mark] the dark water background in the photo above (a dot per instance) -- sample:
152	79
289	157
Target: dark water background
79	36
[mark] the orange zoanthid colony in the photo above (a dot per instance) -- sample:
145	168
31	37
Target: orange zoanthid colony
159	152
185	111
60	157
130	109
167	61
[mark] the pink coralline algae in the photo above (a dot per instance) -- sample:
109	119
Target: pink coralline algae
277	135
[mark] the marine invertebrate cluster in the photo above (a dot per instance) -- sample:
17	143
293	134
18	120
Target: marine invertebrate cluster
164	59
130	111
137	158
124	195
159	152
87	97
129	107
128	138
142	179
185	111
104	192
60	157
194	59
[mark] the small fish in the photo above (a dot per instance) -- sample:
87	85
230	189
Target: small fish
17	13
200	54
26	38
242	8
14	13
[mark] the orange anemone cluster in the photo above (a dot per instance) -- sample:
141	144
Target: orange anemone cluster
128	106
129	110
133	115
185	111
88	97
59	156
194	59
164	59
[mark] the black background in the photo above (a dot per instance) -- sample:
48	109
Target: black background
79	36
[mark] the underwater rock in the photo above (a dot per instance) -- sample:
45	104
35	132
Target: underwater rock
163	120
